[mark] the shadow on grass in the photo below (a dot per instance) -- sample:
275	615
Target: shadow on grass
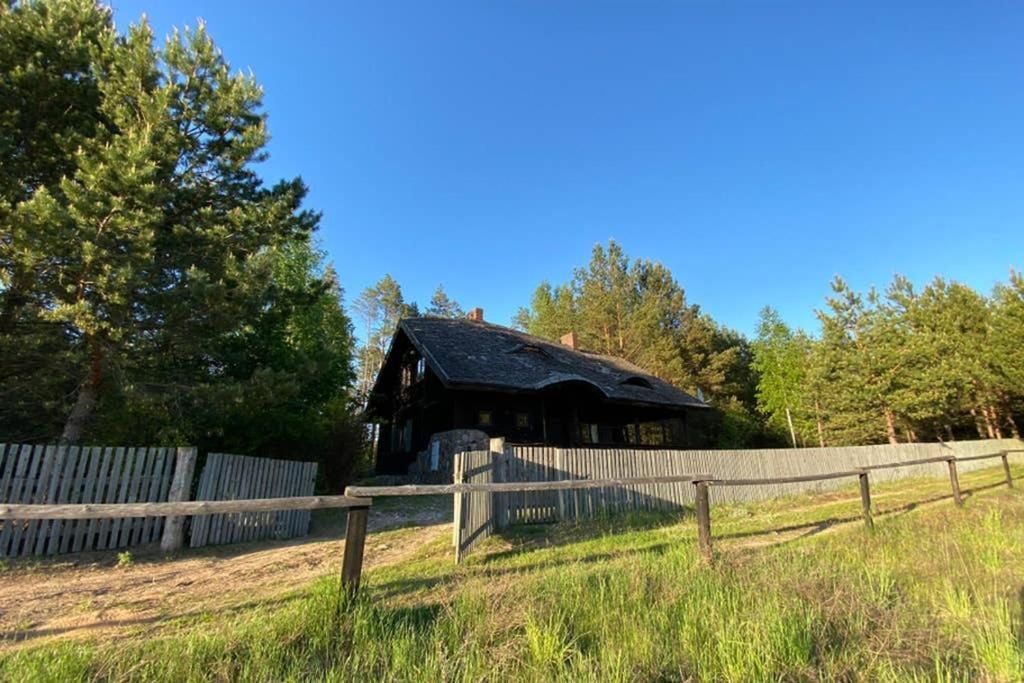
399	587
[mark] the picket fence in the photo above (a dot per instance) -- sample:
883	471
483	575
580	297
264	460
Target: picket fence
72	474
238	477
484	513
51	474
474	511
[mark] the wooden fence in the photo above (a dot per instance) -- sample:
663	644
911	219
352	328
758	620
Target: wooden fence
474	510
357	500
355	535
527	463
70	474
240	477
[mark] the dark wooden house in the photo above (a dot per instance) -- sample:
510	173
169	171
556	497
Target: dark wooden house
442	374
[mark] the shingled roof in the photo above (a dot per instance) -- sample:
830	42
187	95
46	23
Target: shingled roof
472	353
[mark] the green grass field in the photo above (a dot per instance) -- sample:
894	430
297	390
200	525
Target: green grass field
799	591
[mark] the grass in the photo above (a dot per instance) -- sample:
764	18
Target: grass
935	593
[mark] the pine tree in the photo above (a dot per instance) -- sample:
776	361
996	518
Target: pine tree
637	310
137	236
443	307
380	309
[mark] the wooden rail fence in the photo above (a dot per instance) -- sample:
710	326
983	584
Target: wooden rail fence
358	499
355	534
793	468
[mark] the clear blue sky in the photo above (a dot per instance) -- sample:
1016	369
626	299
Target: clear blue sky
756	149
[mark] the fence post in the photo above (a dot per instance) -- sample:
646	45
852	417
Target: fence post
458	466
560	468
355	541
1006	468
954	481
181	488
703	519
495	500
865	499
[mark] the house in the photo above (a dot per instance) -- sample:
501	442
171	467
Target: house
445	374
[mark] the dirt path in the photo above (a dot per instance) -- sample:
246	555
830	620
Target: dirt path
92	594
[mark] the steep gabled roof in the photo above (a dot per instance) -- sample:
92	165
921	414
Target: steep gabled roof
465	352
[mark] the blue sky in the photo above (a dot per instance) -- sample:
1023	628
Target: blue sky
757	149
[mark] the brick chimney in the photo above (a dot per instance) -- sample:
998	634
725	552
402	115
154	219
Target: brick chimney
569	340
477	314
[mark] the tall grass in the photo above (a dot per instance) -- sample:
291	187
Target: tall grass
932	595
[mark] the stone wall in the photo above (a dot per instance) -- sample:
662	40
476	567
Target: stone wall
434	465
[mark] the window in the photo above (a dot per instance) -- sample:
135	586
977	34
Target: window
636	382
589	433
485	418
522	420
421	369
652	434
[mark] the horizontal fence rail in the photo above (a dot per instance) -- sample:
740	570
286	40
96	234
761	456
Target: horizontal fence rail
783	480
566	484
192	507
355	534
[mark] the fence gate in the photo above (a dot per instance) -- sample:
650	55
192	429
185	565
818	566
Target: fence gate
474	511
235	477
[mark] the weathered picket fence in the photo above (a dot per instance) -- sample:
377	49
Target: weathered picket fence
71	474
525	463
53	475
474	511
240	477
484	512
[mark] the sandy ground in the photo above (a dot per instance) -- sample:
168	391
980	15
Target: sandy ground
89	594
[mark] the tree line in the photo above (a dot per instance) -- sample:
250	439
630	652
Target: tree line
902	365
941	363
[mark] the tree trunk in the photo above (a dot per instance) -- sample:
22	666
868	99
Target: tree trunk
949	432
977	423
1014	432
890	428
987	420
821	428
792	432
85	403
911	434
994	415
